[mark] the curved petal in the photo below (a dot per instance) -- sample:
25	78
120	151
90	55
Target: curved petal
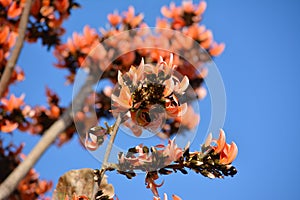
220	142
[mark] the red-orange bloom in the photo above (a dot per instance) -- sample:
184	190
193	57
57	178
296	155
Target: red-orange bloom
8	126
13	102
62	5
5	3
220	142
114	19
229	153
14	10
132	19
216	49
4	34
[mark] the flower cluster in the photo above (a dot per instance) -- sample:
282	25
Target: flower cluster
15	114
148	94
186	18
99	54
30	187
212	161
46	18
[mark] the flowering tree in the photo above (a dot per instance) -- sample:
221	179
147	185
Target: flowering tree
153	76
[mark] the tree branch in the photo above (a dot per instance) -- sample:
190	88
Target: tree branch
5	78
11	182
111	141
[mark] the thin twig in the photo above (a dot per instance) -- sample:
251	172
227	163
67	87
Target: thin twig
9	68
11	182
111	141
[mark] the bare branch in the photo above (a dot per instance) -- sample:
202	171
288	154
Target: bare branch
11	182
111	141
9	68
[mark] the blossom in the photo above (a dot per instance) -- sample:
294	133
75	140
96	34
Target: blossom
14	10
216	49
132	19
114	19
172	152
8	126
148	94
13	102
228	152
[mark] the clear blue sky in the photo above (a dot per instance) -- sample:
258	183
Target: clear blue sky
260	69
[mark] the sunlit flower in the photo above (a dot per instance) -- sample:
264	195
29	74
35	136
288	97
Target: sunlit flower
216	49
114	19
148	93
62	5
221	141
8	126
132	19
5	3
171	12
4	31
172	152
13	102
14	10
229	153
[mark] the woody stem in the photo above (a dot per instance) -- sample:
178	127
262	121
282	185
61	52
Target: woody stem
111	141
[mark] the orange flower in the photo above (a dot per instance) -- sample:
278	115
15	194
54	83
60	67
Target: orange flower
162	23
4	31
228	154
123	102
46	11
172	151
173	107
13	102
172	12
61	5
131	19
220	142
8	126
201	8
114	19
216	49
14	10
5	3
